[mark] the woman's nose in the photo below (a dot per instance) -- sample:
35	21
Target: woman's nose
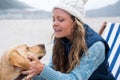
55	23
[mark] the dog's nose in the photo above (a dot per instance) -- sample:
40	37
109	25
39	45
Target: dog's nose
41	45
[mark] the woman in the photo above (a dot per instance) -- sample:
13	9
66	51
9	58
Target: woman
79	53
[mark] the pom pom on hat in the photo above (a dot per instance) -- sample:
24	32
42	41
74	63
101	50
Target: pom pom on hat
73	7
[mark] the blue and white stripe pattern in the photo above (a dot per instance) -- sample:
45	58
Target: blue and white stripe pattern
112	35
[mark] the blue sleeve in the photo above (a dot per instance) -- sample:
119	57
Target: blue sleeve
88	64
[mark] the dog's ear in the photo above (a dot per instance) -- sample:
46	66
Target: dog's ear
18	61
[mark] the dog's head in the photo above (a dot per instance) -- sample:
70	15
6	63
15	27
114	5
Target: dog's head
18	55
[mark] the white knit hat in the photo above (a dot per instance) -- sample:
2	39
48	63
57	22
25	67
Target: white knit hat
73	7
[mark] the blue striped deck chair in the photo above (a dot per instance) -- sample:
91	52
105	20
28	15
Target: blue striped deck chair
111	33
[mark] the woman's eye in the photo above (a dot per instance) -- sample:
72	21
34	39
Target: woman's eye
61	20
53	20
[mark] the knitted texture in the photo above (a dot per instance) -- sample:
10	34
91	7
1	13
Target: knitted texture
73	7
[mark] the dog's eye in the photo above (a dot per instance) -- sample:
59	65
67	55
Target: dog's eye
27	47
39	57
30	59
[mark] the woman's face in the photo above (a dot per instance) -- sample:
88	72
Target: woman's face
62	23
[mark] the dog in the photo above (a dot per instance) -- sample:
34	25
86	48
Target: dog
15	60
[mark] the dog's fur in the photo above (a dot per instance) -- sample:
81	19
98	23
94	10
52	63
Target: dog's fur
15	60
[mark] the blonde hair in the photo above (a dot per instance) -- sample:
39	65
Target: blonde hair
64	63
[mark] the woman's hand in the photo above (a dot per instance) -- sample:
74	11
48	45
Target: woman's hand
35	67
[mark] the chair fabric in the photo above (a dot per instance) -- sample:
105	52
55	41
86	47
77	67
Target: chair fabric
111	34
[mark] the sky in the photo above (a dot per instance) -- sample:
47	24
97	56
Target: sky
47	5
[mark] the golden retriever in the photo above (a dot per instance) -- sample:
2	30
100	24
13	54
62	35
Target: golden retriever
15	60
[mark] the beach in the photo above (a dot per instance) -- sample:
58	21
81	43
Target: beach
32	32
